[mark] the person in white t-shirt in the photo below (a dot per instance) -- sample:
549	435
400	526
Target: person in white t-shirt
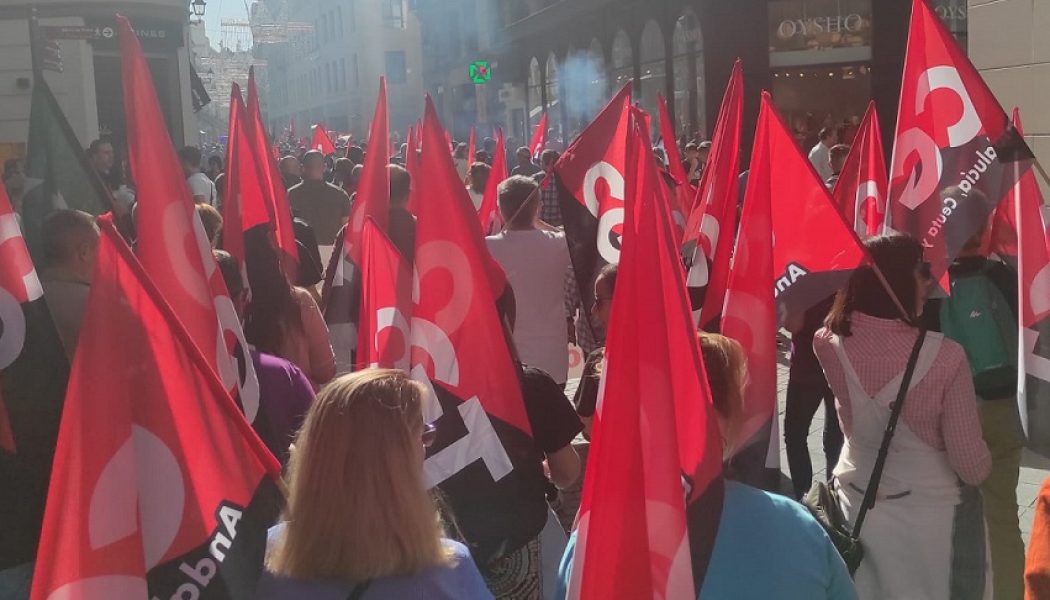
535	261
820	155
202	188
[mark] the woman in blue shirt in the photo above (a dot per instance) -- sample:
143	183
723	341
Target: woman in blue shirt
360	523
767	546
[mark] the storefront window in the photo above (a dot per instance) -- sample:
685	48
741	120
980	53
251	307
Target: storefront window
688	76
811	98
820	51
535	95
553	110
622	60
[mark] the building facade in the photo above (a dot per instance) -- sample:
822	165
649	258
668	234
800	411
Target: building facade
219	68
456	34
1009	45
88	87
822	59
326	67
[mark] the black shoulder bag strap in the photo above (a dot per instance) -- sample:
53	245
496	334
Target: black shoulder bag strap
359	591
895	412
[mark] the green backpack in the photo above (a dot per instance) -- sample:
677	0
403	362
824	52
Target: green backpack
978	317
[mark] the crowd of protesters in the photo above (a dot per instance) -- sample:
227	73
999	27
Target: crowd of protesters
360	522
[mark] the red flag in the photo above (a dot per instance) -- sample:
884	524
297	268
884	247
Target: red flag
171	243
459	351
386	303
244	200
33	375
711	227
657	423
590	181
321	141
465	310
539	137
793	246
343	295
681	192
470	146
160	486
487	213
670	143
373	189
19	287
952	154
860	192
1023	233
276	196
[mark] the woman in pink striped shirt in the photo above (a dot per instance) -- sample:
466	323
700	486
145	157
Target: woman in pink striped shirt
925	536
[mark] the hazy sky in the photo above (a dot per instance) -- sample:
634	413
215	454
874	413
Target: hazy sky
218	10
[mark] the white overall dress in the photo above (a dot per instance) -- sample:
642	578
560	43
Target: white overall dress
924	538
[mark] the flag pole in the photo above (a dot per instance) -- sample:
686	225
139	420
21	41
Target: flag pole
893	295
34	39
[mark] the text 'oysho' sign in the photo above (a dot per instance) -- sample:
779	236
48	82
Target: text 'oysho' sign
809	32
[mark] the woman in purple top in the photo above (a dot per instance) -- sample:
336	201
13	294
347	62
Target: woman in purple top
359	522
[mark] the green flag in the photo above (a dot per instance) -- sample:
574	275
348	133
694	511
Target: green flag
58	174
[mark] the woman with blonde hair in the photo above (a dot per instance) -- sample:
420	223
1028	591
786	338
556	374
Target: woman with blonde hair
360	523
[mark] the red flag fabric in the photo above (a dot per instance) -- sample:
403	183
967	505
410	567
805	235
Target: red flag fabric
280	213
793	246
1028	240
1000	236
19	285
321	141
471	146
160	487
952	154
373	189
480	457
171	242
343	288
860	192
244	199
386	303
539	137
487	213
467	318
711	227
34	370
680	191
670	143
657	423
590	181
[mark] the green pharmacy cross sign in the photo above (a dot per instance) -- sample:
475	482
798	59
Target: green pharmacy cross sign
480	72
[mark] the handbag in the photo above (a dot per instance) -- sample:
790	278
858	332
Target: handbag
821	499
